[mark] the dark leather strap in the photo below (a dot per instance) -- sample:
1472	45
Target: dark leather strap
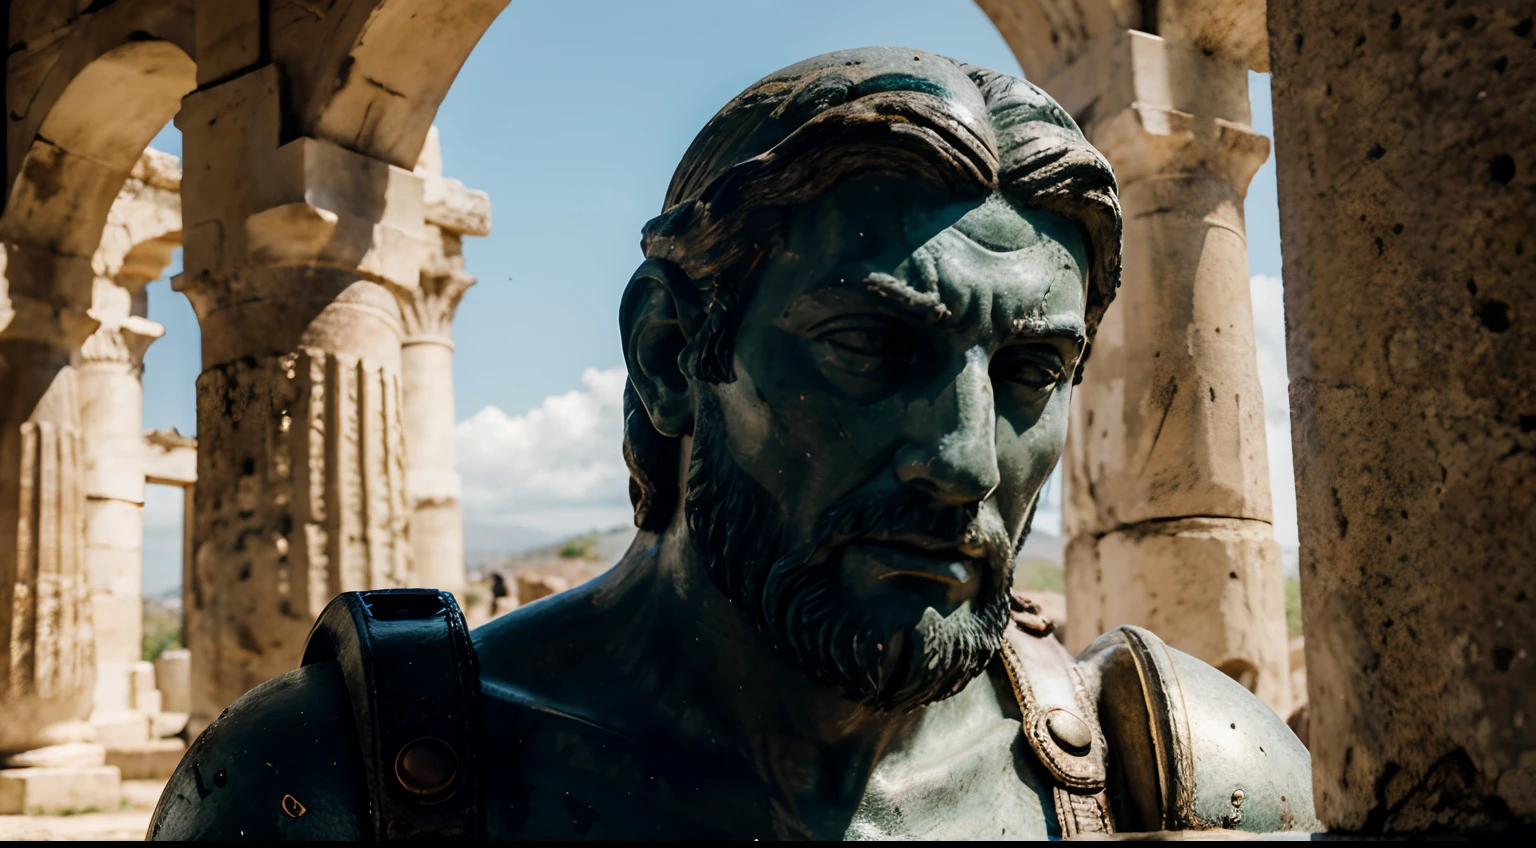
1059	720
414	682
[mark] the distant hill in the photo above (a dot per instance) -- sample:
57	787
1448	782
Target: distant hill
1039	563
490	544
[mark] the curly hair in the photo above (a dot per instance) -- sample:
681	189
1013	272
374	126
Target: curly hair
794	135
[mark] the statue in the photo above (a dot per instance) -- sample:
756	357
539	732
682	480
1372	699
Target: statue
851	347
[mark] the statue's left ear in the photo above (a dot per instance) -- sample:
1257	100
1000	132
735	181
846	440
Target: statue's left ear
659	314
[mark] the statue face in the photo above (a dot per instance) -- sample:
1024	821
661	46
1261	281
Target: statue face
903	376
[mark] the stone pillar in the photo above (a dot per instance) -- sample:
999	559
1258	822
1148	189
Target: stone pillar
432	481
111	423
1406	171
142	231
301	467
1168	508
46	648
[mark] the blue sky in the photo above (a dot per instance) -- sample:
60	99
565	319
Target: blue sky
572	115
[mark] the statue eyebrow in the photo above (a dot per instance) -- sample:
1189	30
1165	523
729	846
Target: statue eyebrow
904	296
1036	326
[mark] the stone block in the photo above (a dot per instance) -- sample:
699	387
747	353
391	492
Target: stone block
153	760
147	702
72	755
173	674
164	724
142	677
120	727
56	791
118	624
114	687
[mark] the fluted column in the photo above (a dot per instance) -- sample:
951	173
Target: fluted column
427	310
301	471
46	647
1168	506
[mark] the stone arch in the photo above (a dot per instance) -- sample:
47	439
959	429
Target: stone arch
69	171
379	96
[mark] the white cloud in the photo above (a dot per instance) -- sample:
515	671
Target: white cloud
558	468
1269	338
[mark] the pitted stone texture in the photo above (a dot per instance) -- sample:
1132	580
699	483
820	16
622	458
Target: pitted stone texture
1406	174
301	496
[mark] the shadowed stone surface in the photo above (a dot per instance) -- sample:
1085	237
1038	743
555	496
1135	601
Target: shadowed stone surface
1406	174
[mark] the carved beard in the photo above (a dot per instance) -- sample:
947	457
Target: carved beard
877	655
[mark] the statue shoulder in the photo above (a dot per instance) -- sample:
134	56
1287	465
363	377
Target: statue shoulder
281	763
1192	748
372	737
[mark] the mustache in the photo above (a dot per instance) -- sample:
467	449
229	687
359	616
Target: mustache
912	517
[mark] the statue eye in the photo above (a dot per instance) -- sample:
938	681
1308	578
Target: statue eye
1037	367
864	348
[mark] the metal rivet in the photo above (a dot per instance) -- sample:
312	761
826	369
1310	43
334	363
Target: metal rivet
426	766
1069	731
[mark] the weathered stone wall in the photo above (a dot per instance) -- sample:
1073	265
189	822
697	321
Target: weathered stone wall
1407	170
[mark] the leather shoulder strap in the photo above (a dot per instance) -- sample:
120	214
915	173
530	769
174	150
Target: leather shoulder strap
1059	719
414	682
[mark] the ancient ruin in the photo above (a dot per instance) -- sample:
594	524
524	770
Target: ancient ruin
321	252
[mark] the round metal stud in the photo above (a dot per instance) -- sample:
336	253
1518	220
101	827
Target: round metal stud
426	766
1069	731
1027	616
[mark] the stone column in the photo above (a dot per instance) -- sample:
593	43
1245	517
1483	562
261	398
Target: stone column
1406	171
46	648
301	467
142	231
111	423
1168	508
432	481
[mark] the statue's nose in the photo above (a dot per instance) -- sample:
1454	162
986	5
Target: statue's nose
954	458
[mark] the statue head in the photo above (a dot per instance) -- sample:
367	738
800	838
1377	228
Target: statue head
873	283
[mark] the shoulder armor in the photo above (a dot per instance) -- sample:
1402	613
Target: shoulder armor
1190	748
372	738
281	763
414	683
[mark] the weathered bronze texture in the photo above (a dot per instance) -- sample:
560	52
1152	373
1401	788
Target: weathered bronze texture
851	346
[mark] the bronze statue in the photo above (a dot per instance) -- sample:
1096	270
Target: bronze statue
851	347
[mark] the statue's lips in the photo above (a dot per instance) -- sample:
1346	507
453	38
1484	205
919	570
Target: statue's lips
899	559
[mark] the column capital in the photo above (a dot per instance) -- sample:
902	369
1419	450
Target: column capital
427	309
450	205
456	208
119	340
1154	106
1144	141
